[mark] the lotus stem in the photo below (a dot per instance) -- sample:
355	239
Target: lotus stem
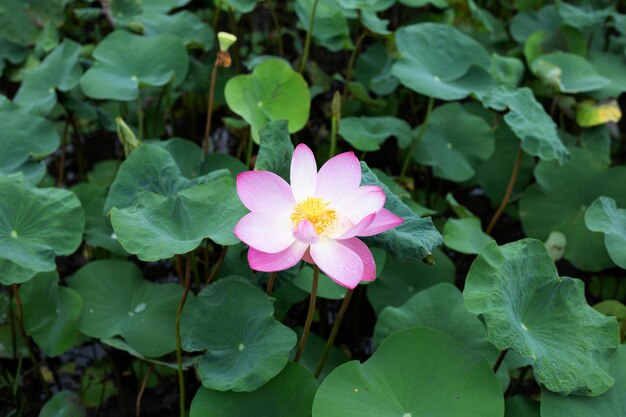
141	390
499	361
209	113
140	115
307	42
508	192
179	351
407	160
333	333
270	283
309	316
355	51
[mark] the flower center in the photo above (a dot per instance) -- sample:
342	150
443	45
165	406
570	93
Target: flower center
315	210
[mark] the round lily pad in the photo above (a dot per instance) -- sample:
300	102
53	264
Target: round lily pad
439	61
604	216
157	212
124	62
610	404
245	346
454	150
51	313
273	91
369	133
117	301
417	372
290	393
36	226
528	308
560	198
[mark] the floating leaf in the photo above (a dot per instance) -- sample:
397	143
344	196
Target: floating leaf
126	62
63	404
465	235
528	308
589	113
529	121
369	133
569	73
611	404
36	225
553	204
275	149
398	281
117	301
454	150
245	346
409	375
272	92
411	241
604	216
156	212
51	313
290	393
439	61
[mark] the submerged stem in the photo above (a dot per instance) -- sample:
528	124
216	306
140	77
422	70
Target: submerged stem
407	160
179	351
333	333
309	316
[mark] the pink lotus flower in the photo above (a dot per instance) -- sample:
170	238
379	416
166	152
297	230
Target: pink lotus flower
317	218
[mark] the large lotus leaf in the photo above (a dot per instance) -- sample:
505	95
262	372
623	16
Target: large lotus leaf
185	25
117	301
417	372
156	212
611	404
163	5
465	235
290	393
125	62
369	133
611	66
526	23
59	70
398	281
604	216
21	20
63	404
439	61
313	351
494	174
22	137
455	149
373	70
528	308
275	149
414	239
245	346
519	406
559	200
36	226
529	121
51	313
569	73
330	27
584	18
272	92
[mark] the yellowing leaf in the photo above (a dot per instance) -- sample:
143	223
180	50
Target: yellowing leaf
590	113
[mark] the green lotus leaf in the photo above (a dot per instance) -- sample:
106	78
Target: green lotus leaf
441	4
590	113
187	155
521	407
36	226
185	25
95	385
611	66
454	150
611	404
245	346
156	212
272	92
313	352
163	5
290	393
564	39
411	241
439	61
22	138
604	216
10	52
372	22
216	161
275	149
117	301
369	133
465	235
59	70
373	70
493	175
376	5
330	29
569	73
584	18
527	307
51	313
326	288
412	373
506	70
241	6
21	21
615	309
526	23
559	199
529	121
398	281
124	62
63	404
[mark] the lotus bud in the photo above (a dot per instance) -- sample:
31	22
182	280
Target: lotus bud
126	136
